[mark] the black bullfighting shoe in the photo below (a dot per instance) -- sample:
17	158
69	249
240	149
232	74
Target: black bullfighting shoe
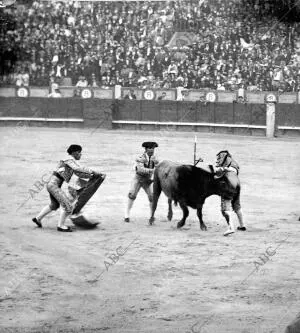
38	223
127	219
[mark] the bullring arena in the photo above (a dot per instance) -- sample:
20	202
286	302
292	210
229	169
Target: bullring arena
202	76
167	280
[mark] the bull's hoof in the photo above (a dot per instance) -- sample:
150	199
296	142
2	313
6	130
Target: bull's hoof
203	227
180	224
241	228
151	220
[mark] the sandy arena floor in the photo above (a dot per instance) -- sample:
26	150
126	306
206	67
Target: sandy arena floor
164	280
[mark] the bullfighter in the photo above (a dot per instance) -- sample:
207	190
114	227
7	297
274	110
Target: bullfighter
67	199
225	163
144	168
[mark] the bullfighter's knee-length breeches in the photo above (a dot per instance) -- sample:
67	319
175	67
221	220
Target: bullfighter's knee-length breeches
138	183
57	196
227	204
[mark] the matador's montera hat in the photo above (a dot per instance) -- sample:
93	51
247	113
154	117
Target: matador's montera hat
74	148
149	144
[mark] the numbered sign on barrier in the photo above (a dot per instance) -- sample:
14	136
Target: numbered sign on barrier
211	97
271	98
149	94
22	92
86	93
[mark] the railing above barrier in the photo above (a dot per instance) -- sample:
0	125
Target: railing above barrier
179	94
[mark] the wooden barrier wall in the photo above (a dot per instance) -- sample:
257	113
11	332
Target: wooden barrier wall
59	111
142	114
197	116
288	119
224	113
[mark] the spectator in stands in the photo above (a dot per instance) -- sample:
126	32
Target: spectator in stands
233	43
25	77
105	82
82	83
130	95
56	93
22	78
181	94
220	86
162	96
130	83
52	84
173	69
19	80
94	83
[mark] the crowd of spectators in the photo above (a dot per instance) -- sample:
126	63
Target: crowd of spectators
236	44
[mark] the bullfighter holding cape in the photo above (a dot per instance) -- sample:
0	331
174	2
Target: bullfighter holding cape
75	197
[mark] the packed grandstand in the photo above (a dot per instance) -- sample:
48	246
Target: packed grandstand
215	44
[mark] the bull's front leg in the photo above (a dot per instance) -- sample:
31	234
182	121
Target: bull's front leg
153	206
155	197
185	212
199	214
170	210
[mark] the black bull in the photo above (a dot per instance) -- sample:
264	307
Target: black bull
190	186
